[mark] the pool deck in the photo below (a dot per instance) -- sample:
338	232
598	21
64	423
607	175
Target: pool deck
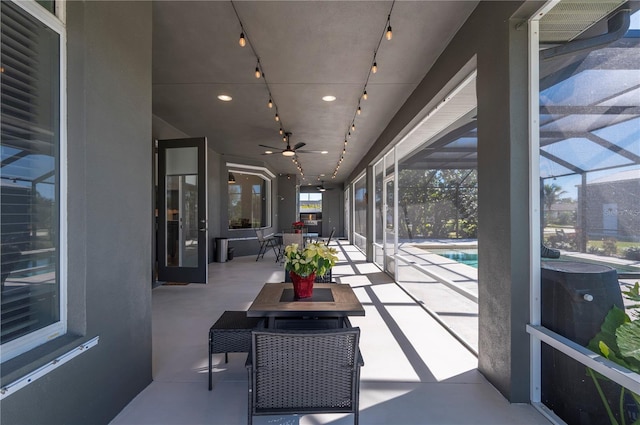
449	290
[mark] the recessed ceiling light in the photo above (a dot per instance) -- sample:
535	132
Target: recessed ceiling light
321	175
224	97
328	98
324	152
268	152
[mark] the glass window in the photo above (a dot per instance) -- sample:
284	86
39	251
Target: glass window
360	212
590	157
30	198
590	223
248	200
310	202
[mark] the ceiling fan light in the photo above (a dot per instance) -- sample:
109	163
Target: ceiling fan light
288	153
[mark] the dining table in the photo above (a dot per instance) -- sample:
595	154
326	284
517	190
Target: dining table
329	300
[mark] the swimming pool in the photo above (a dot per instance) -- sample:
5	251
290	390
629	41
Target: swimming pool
464	256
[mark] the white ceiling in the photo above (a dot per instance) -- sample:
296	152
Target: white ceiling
307	49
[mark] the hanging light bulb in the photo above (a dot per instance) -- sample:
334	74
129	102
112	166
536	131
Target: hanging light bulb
364	95
242	41
374	68
353	126
257	74
389	32
281	130
277	117
359	110
345	142
284	138
270	104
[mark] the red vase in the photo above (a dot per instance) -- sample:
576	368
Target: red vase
298	230
302	285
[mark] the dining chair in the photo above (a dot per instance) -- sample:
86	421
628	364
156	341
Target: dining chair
290	238
327	241
301	372
266	242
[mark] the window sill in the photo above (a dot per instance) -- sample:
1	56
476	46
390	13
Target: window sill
43	357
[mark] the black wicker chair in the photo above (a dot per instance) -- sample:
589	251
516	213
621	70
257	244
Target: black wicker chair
231	333
303	372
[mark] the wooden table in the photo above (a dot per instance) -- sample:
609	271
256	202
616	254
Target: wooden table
275	300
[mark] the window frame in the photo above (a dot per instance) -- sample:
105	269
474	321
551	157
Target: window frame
23	344
537	332
265	175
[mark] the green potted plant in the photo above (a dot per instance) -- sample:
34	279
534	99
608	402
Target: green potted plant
619	341
303	265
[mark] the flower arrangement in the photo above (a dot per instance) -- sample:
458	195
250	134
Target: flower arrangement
298	224
314	258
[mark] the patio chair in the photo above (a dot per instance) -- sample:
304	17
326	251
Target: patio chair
289	238
231	333
327	241
302	372
267	242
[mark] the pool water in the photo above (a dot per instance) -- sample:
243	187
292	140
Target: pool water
464	256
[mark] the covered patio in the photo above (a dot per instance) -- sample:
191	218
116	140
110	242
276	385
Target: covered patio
415	371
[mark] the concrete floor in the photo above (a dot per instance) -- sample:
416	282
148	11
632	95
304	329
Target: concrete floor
415	372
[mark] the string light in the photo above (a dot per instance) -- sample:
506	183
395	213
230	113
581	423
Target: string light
388	33
259	72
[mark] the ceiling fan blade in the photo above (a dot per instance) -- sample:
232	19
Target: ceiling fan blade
271	147
298	146
306	151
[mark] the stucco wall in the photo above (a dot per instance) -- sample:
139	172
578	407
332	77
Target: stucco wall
109	220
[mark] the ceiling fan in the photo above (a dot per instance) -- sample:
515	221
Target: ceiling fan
288	151
321	188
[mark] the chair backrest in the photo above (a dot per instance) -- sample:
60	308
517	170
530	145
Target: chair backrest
333	231
305	371
289	238
260	235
